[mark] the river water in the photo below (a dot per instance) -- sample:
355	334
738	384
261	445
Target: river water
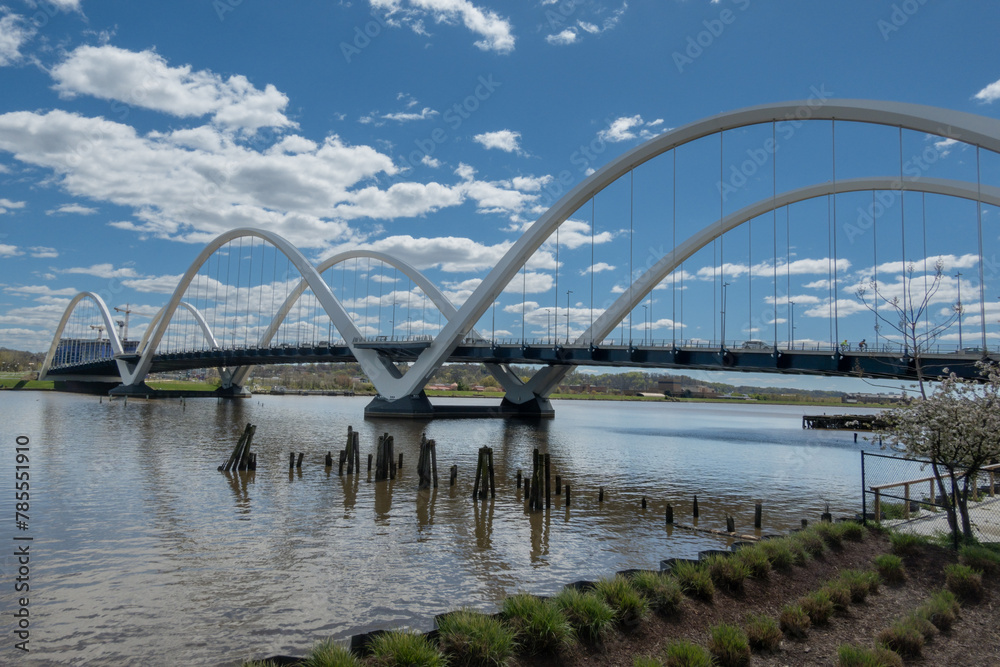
143	552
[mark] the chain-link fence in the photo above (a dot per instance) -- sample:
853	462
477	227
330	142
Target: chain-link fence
906	495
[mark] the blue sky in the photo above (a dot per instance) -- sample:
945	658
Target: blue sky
437	130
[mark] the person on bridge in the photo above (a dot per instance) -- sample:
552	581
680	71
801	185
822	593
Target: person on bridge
862	346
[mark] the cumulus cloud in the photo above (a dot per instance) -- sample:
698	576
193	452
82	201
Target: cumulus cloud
990	93
452	254
144	79
78	209
505	140
103	271
10	250
495	31
14	32
563	38
627	128
43	252
6	205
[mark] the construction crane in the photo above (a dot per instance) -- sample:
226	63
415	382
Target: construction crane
100	330
123	325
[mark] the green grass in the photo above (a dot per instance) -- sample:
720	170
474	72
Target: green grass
964	582
893	511
472	639
818	606
906	544
539	625
682	653
629	605
941	610
980	558
794	621
729	645
849	655
831	533
588	614
15	383
839	593
763	632
778	552
399	647
662	592
811	541
852	531
727	572
903	638
695	580
646	661
330	654
859	583
890	568
756	561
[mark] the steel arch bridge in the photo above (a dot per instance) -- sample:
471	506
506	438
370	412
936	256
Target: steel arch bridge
401	393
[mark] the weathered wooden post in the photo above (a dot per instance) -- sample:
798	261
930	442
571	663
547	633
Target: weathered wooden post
479	474
757	511
548	485
328	462
519	479
670	514
567	495
298	464
600	494
434	462
489	455
695	509
805	523
454	475
369	463
730	524
400	466
558	485
644	502
356	445
340	467
291	461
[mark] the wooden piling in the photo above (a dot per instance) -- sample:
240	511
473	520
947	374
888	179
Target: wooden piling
567	495
548	484
329	460
805	523
233	459
757	511
600	494
369	463
730	524
558	485
527	490
670	514
243	462
489	455
356	445
519	479
343	459
434	462
298	464
454	475
695	509
644	502
479	475
399	466
291	461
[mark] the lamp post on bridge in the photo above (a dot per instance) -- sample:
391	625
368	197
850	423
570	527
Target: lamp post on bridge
645	321
568	292
548	325
791	325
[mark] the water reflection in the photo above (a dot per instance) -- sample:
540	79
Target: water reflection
140	536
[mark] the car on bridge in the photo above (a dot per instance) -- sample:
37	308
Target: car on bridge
754	344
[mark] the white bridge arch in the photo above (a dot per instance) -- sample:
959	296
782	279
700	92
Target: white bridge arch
395	388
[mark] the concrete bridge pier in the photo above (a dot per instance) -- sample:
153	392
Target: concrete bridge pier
419	406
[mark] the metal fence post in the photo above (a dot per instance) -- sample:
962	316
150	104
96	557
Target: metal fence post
864	494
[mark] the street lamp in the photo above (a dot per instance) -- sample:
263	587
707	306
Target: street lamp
548	325
958	308
568	292
724	286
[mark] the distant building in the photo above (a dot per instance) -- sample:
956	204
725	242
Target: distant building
885	399
675	387
82	350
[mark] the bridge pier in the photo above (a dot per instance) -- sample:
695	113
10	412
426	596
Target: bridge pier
419	407
143	390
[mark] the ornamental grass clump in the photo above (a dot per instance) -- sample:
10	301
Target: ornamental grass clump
831	533
646	661
330	654
399	647
695	580
588	614
839	593
729	645
818	606
903	638
941	610
906	544
858	582
853	531
539	626
922	625
763	633
630	607
682	653
778	553
811	542
849	655
727	572
661	590
890	568
794	621
964	582
471	639
980	558
756	561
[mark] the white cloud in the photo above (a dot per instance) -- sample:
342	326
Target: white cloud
452	254
505	140
43	252
494	30
428	161
79	209
10	250
626	128
990	93
145	79
39	290
563	38
597	268
103	271
14	32
6	205
378	119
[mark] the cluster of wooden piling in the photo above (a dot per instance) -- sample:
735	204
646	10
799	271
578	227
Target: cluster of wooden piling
484	475
242	458
385	464
427	464
351	454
